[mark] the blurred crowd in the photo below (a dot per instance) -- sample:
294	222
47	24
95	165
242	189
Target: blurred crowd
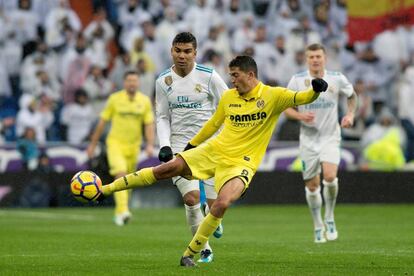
56	73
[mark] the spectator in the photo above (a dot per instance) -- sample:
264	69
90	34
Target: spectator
78	117
302	35
376	74
99	33
11	53
139	52
165	32
382	144
61	25
75	67
6	124
35	115
244	35
28	149
24	22
98	88
146	79
264	53
289	66
46	86
195	17
122	64
131	16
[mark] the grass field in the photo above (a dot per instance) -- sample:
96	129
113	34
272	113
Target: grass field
265	240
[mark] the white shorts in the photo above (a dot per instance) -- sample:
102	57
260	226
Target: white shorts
185	186
313	154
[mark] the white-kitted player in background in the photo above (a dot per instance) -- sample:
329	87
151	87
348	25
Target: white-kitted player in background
320	137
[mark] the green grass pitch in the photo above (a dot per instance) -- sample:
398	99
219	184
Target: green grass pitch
258	240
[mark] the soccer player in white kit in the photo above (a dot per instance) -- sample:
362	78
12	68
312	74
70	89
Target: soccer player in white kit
320	138
187	95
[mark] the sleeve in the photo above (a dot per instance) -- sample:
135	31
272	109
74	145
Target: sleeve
211	126
108	110
346	86
162	111
289	98
218	86
149	115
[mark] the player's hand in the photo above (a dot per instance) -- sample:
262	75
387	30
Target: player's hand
149	150
90	151
189	146
307	117
165	154
347	121
319	85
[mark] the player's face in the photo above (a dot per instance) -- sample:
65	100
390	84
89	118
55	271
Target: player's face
183	55
241	80
131	83
316	60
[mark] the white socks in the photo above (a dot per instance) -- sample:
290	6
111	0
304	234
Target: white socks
194	218
314	200
330	192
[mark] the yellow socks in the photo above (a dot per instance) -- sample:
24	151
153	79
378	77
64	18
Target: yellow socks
206	228
121	202
144	177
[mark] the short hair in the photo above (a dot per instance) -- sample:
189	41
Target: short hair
316	47
130	72
185	37
245	64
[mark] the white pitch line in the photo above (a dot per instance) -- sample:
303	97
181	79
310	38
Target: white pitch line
46	215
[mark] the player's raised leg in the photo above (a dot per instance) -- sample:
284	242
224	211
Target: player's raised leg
147	176
330	193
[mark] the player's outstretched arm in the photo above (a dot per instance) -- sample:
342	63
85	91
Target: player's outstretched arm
308	96
210	127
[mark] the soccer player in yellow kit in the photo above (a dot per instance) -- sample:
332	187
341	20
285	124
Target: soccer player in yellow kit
249	113
127	110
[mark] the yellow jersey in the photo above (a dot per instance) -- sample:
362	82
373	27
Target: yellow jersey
127	116
249	121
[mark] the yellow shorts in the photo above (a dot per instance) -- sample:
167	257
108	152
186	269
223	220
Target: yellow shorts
121	158
205	162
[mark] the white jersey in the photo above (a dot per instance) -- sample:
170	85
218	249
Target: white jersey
184	104
325	107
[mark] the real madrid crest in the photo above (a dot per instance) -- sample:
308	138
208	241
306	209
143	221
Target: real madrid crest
260	103
331	89
198	88
168	80
307	82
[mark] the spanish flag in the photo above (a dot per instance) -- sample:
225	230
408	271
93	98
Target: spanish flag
366	18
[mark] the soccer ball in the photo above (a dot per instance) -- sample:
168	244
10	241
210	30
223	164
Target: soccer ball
86	186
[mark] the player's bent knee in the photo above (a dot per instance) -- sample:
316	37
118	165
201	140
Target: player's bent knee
220	205
191	198
329	177
312	186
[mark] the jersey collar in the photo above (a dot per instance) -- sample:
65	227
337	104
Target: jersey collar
254	94
178	76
